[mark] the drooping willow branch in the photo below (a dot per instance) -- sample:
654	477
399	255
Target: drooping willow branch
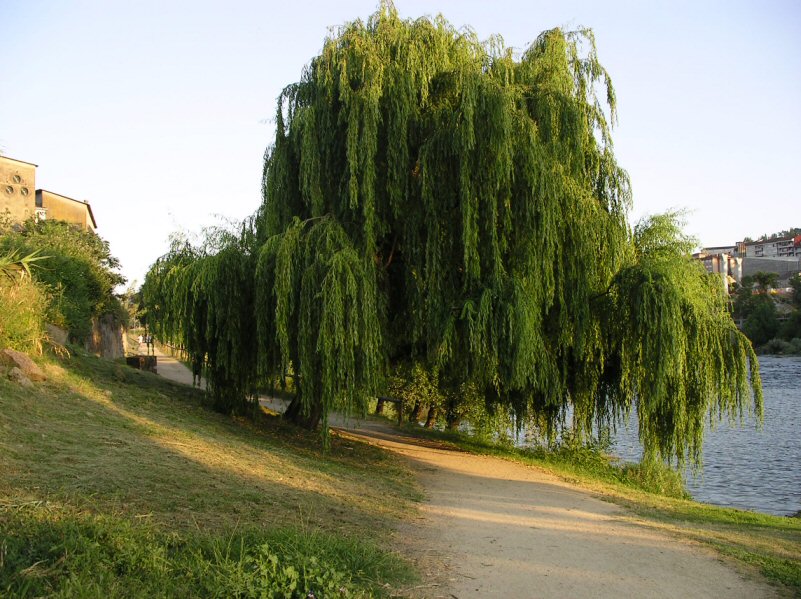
488	181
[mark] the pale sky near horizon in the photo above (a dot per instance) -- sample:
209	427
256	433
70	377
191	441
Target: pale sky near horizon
158	112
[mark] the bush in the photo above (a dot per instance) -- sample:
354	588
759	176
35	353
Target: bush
791	327
23	304
762	324
782	347
75	266
655	478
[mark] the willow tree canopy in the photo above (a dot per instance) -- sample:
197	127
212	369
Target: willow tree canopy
435	198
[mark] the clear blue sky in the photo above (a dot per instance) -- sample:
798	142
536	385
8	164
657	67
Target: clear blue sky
158	112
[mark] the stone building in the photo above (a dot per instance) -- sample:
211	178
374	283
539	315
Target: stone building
17	188
59	207
21	200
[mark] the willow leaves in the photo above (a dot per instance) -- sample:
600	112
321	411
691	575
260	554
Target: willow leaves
436	200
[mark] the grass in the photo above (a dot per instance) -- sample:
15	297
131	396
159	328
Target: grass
770	545
115	482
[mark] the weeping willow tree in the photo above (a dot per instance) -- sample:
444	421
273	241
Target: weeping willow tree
673	346
201	299
436	200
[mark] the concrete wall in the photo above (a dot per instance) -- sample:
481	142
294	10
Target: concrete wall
17	188
784	267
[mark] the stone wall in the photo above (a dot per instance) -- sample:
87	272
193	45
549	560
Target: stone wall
107	339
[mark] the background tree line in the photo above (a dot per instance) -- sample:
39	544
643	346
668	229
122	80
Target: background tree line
760	311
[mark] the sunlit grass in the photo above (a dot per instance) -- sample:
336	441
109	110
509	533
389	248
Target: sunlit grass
101	447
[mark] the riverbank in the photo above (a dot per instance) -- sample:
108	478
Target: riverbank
755	542
116	482
115	479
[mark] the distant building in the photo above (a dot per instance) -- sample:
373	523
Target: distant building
787	247
17	188
21	200
722	261
59	207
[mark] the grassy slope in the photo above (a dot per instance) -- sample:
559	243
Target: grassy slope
103	467
768	544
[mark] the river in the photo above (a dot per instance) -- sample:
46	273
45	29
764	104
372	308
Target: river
745	467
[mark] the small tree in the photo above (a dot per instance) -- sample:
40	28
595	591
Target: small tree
762	323
766	280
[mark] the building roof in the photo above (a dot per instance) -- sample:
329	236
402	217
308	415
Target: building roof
716	248
16	160
766	241
83	203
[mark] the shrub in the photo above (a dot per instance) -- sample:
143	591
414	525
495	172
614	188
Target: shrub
762	324
655	477
23	304
776	346
75	266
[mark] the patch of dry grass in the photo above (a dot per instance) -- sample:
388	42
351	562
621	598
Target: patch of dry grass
105	438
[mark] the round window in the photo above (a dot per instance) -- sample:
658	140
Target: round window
9	189
16	178
24	191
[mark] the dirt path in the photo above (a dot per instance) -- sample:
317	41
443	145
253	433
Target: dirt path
171	368
493	528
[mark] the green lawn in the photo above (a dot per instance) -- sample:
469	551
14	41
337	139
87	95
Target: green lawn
115	482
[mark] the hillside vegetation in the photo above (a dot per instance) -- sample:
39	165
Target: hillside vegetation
54	272
114	482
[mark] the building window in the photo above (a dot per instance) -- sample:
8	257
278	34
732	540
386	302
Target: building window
16	179
24	191
9	190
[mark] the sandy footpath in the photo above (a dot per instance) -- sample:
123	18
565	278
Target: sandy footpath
493	528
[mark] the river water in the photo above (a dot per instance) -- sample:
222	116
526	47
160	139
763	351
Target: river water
745	467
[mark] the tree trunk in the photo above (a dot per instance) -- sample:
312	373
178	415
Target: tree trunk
452	416
432	417
379	407
415	414
294	414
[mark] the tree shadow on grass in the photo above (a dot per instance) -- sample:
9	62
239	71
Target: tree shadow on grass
118	441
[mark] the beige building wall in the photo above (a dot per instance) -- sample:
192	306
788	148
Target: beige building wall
17	188
61	207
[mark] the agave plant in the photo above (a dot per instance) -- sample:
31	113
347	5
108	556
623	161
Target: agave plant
14	265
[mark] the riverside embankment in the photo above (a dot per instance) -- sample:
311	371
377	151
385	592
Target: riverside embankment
491	527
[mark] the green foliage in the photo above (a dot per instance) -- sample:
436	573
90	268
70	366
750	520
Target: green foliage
317	310
675	350
75	266
47	551
433	199
23	304
12	265
654	477
791	232
766	280
780	346
471	183
762	323
795	284
201	299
